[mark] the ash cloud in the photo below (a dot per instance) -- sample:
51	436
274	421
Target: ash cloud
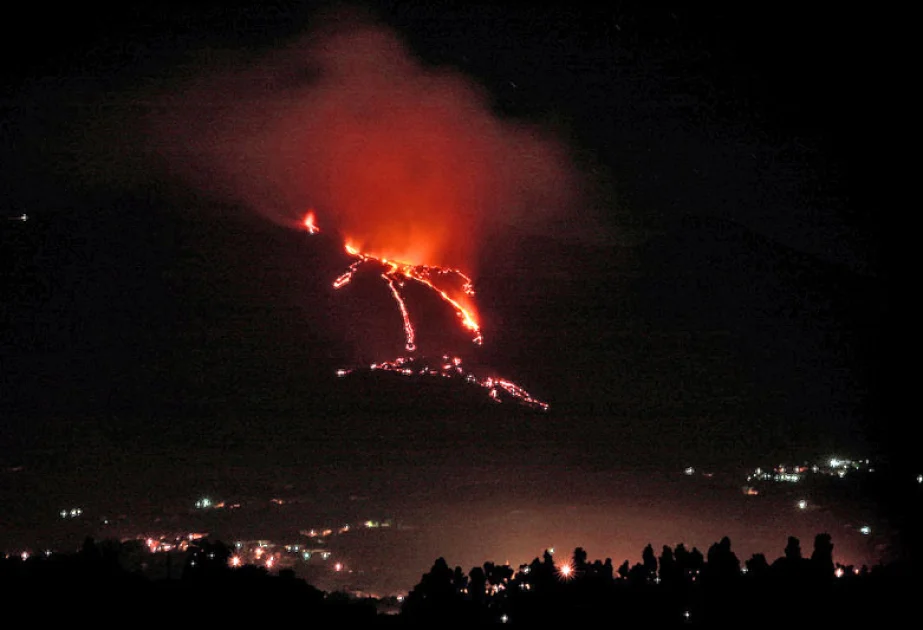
402	160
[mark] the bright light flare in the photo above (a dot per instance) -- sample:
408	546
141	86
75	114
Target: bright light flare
566	571
310	223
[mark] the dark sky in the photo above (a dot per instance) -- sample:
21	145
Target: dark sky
730	311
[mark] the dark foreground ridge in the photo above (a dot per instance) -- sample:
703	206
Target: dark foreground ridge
677	588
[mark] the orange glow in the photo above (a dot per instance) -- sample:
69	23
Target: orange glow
408	326
424	275
438	279
310	224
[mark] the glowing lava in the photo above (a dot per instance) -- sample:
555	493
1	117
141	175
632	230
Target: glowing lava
422	274
498	389
310	224
433	278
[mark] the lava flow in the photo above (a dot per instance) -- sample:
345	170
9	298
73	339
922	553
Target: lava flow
395	274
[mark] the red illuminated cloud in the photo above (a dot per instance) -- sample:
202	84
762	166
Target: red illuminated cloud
405	162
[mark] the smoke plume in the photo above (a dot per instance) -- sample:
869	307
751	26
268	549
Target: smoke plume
404	161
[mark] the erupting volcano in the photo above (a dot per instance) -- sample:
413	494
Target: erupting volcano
407	162
395	274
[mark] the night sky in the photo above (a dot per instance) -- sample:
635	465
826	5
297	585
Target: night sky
712	297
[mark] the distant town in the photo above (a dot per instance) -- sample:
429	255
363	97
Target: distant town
161	554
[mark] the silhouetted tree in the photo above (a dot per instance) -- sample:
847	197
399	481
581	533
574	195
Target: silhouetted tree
434	599
669	568
638	574
459	580
624	569
695	563
607	571
722	564
580	560
650	562
822	557
757	566
477	584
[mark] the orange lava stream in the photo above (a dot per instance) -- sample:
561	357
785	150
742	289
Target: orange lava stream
394	274
423	275
451	367
408	327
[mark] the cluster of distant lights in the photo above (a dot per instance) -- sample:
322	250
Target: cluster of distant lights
271	556
166	544
835	466
793	474
261	553
327	531
71	513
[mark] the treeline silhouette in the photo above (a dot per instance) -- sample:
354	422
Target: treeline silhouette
678	587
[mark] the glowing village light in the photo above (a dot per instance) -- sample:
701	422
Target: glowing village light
802	504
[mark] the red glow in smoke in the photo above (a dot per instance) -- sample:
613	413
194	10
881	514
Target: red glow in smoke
406	163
